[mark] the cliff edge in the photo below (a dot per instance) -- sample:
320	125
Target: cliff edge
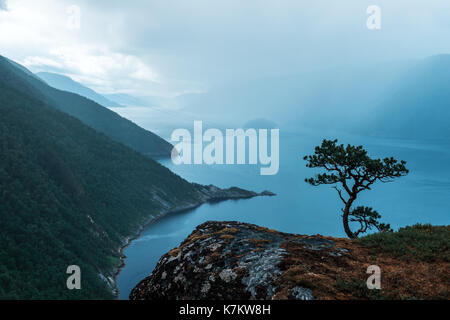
233	260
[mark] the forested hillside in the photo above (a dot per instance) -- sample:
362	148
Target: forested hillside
68	196
89	112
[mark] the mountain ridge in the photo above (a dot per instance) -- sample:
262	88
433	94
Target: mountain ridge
89	112
65	83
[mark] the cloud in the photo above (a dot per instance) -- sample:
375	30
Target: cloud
102	62
173	46
41	62
39	36
203	42
100	68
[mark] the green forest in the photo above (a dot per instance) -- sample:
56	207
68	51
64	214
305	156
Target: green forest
90	113
68	196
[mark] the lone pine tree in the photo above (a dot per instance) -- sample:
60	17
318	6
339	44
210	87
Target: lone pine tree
352	171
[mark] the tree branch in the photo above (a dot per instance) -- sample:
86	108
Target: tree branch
340	194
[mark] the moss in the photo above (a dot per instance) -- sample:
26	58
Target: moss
194	237
259	242
419	242
227	236
358	289
174	252
228	230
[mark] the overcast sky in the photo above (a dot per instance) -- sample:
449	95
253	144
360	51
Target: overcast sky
169	47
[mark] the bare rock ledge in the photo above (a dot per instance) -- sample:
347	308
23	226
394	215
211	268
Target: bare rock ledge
239	261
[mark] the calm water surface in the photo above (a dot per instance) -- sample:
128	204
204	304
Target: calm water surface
423	196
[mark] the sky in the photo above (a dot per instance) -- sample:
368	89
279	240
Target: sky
168	47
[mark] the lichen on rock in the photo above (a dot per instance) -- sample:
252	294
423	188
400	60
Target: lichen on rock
240	261
224	260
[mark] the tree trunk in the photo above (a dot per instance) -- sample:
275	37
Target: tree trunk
347	230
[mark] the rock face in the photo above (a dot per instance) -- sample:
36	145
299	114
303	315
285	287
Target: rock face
233	260
206	194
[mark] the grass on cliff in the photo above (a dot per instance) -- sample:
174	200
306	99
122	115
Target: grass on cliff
358	289
419	242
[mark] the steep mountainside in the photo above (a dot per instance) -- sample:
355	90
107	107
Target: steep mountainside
88	111
71	196
65	83
234	260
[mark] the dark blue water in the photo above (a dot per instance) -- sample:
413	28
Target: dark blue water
421	197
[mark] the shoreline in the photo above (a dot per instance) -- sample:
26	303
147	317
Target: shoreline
137	235
179	209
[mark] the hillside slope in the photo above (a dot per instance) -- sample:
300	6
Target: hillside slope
234	260
65	83
71	196
89	112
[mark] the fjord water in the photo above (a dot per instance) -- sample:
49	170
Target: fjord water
421	197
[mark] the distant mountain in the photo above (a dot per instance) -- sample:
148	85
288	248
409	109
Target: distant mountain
143	101
91	113
69	195
65	83
336	97
127	100
418	105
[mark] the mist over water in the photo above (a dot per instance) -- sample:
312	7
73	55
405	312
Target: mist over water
420	197
315	72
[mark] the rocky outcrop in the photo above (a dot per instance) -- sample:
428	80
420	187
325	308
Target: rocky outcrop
233	260
212	193
205	194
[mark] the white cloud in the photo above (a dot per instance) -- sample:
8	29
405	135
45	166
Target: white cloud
38	36
97	62
41	62
176	46
102	69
